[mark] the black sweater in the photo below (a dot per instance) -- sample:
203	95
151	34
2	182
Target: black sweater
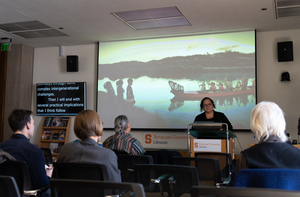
218	117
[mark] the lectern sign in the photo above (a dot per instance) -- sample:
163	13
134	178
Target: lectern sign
207	145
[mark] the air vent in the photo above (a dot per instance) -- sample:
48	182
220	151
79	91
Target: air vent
287	8
30	29
153	18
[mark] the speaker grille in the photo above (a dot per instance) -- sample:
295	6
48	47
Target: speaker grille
72	63
285	51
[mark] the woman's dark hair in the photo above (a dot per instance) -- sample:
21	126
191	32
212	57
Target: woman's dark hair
201	104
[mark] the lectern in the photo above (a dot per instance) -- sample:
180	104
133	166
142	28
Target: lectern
211	138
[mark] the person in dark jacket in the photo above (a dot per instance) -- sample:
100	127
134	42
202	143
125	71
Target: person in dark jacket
268	125
19	146
207	105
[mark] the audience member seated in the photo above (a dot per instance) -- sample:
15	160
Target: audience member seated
123	140
19	146
88	128
268	125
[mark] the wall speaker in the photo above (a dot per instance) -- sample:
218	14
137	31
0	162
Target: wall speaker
285	51
61	51
72	63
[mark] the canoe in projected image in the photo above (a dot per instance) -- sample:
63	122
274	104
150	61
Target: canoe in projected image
198	94
180	93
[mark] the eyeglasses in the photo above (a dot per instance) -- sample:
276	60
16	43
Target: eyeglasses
208	105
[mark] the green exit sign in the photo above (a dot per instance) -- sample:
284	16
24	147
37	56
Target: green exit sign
5	46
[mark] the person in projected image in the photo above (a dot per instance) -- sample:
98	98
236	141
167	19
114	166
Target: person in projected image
229	87
207	105
129	93
244	80
122	140
213	87
110	90
120	90
202	87
273	150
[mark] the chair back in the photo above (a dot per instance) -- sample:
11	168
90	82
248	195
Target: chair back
91	188
225	162
8	187
287	179
240	192
119	152
126	165
48	155
208	168
20	172
85	171
162	156
181	178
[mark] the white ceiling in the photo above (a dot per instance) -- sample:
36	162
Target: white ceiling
90	21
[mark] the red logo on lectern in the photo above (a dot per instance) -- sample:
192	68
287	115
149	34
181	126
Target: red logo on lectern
148	138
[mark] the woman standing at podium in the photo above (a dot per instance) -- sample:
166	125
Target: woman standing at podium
207	105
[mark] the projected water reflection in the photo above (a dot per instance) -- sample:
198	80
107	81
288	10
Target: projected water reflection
156	98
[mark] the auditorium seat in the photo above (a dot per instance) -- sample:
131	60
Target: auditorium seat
9	187
240	192
161	178
225	163
208	169
162	156
84	171
287	179
126	165
20	172
92	188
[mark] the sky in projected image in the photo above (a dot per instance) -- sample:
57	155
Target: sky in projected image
159	83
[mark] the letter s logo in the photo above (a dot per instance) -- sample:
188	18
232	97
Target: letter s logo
148	139
196	145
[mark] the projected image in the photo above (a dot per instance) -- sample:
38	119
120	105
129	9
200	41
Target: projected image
159	83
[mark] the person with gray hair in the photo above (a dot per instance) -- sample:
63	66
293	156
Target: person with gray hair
122	140
268	125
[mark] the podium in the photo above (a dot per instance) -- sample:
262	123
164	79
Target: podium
209	138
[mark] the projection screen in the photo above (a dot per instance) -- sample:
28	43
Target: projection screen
159	83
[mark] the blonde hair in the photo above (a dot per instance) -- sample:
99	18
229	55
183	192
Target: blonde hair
267	119
88	123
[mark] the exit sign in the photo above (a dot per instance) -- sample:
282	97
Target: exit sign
5	47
